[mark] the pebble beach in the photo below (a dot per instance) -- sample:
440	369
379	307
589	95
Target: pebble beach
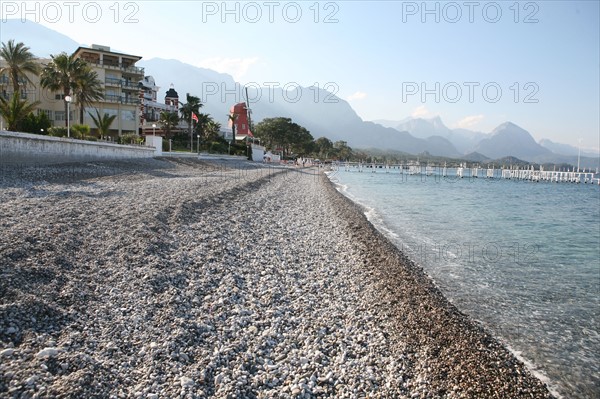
186	278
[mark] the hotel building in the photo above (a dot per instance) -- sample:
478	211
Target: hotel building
128	94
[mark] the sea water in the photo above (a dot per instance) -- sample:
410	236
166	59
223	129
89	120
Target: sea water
520	257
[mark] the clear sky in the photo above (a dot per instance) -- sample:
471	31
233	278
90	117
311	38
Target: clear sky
476	64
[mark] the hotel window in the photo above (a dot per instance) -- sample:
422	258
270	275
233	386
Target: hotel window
47	112
112	94
127	115
110	112
60	115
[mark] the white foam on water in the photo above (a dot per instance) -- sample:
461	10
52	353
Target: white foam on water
537	373
371	213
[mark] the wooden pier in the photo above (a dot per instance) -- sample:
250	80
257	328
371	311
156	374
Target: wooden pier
528	174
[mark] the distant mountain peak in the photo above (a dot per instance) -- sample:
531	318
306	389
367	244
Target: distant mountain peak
508	126
508	139
475	157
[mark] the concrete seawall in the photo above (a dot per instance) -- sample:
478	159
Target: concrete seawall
25	148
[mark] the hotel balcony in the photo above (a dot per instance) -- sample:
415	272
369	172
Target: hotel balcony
112	82
124	68
151	117
112	98
133	101
133	70
130	86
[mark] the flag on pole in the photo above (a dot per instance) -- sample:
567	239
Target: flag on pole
195	117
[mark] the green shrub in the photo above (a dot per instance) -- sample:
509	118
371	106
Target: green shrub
130	138
36	124
57	131
80	131
218	147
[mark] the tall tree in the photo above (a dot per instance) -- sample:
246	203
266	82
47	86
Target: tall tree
300	140
193	104
285	134
212	129
201	125
323	147
232	118
168	121
343	151
103	123
15	110
88	88
19	61
61	74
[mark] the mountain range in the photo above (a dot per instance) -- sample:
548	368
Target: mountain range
321	112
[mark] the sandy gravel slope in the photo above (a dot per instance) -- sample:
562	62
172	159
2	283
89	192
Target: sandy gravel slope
171	278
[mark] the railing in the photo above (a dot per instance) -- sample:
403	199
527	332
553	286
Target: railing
112	98
113	81
130	85
128	69
149	117
105	65
133	70
122	83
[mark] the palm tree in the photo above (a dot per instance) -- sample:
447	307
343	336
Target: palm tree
15	111
88	88
61	74
232	118
212	129
193	105
103	122
168	121
19	61
203	120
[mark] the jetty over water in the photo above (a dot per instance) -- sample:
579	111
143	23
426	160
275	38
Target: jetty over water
529	174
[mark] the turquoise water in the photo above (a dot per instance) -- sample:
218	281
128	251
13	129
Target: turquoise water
522	258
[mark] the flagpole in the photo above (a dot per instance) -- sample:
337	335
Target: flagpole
191	130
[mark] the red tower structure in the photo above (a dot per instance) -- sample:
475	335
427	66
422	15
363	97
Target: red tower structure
242	127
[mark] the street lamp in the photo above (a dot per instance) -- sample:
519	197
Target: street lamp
68	100
154	129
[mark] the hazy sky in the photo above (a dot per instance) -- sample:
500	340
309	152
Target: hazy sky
476	64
